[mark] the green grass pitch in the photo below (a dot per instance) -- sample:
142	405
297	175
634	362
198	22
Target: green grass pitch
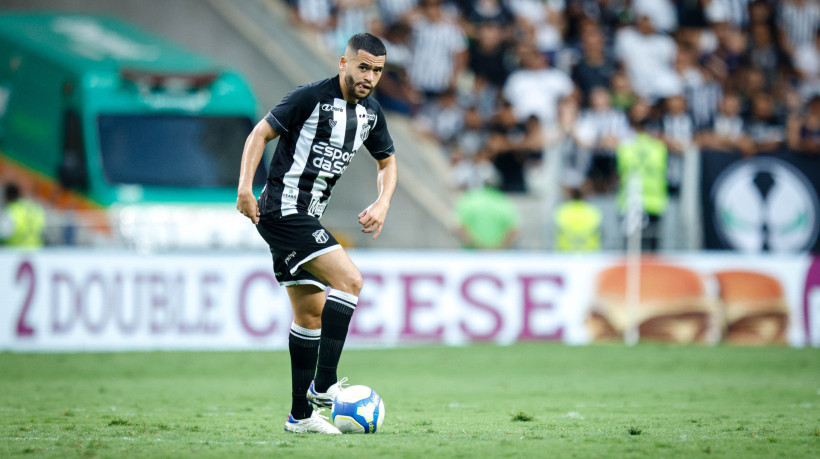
526	400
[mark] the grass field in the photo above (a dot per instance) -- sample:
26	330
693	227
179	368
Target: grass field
527	400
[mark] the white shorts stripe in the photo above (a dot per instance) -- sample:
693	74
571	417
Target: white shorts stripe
314	255
303	282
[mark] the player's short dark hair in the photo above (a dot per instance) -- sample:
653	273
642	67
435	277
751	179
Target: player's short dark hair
366	42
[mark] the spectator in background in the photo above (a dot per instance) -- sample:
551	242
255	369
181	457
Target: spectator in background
752	84
22	221
314	14
513	147
535	89
763	126
563	140
483	12
439	49
678	127
577	224
392	11
763	53
703	95
541	22
804	129
728	133
606	14
487	219
644	156
395	92
600	129
352	17
799	21
661	13
649	59
596	67
443	118
488	57
807	64
733	12
621	93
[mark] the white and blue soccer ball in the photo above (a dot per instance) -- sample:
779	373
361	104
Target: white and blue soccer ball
357	409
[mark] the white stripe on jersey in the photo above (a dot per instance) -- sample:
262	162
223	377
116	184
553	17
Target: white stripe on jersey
290	194
361	114
337	139
337	135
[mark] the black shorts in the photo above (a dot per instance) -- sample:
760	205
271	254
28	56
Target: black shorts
294	240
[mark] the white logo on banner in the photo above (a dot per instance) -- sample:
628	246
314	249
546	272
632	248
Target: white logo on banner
765	204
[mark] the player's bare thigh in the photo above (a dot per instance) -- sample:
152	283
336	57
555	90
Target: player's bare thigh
307	302
336	270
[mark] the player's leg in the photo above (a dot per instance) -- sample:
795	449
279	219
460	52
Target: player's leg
307	302
336	270
303	343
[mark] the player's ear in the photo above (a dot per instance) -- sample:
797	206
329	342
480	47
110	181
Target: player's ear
342	63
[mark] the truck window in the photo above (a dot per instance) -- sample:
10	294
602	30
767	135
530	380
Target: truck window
176	150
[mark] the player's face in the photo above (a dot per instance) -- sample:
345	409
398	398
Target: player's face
361	73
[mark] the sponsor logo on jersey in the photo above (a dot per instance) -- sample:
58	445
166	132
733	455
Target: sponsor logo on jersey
320	236
290	257
369	116
332	108
291	193
329	158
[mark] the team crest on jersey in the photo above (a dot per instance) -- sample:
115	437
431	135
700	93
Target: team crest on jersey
320	236
365	132
332	123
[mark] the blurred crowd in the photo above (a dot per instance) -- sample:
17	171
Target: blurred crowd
500	82
497	81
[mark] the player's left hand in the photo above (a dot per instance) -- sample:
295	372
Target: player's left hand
372	218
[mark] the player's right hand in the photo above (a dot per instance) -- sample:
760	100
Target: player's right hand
246	204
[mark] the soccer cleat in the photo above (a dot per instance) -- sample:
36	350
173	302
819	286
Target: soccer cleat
316	423
324	399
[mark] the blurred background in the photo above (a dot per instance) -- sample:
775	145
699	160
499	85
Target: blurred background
558	138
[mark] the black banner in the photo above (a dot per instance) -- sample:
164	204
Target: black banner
762	203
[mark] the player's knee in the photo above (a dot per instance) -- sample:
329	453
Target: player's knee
312	320
351	282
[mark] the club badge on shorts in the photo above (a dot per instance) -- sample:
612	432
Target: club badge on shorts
320	236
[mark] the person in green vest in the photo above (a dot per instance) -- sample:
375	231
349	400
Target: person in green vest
577	225
487	219
23	221
644	156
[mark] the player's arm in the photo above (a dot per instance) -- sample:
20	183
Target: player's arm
372	218
251	155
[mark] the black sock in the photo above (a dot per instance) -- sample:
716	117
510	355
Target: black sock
336	316
304	350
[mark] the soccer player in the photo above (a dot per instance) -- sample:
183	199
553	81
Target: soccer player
320	127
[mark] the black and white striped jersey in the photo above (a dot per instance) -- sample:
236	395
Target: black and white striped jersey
319	134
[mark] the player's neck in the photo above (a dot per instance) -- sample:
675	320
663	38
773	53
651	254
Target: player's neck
346	91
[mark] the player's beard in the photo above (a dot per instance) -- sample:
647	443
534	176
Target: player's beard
351	88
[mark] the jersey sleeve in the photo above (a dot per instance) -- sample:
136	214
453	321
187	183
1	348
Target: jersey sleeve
293	110
379	143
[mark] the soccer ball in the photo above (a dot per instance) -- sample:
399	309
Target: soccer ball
357	409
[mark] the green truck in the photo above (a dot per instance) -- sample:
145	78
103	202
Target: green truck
120	129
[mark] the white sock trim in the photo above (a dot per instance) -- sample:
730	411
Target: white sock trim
345	298
305	333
